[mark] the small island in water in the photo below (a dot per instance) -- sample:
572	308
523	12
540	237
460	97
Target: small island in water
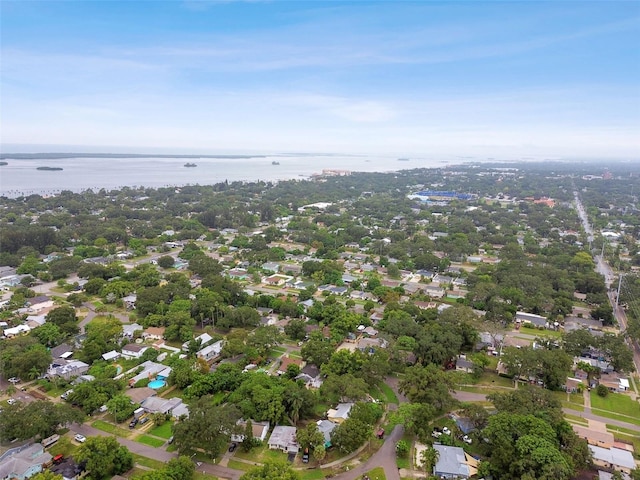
403	159
2	164
275	163
49	169
190	165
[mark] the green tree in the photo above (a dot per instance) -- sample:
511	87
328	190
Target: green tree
428	458
120	407
428	385
46	475
402	448
272	470
104	457
309	437
65	319
207	428
350	434
166	261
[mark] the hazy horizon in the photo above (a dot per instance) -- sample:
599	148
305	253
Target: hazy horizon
494	79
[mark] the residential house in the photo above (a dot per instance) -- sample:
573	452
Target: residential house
571	385
129	330
23	462
210	352
160	405
130	301
286	361
134	350
532	319
464	365
271	267
153	333
434	291
614	458
204	339
61	351
259	430
35	321
275	280
151	370
595	434
238	273
368	345
111	356
340	413
67	369
140	394
311	376
41	302
284	438
15	331
453	462
326	427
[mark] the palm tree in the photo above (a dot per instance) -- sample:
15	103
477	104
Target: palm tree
294	401
429	458
33	373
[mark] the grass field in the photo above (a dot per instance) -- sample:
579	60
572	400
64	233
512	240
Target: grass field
261	454
203	476
148	462
163	431
312	475
540	333
617	406
245	467
151	441
110	428
576	419
390	395
63	447
377	474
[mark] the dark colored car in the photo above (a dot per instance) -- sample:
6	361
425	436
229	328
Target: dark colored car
305	456
233	446
133	423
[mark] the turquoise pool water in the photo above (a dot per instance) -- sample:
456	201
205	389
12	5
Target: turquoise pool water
156	384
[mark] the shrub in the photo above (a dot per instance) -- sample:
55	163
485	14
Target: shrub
602	391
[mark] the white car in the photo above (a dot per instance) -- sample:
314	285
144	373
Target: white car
466	439
80	438
436	434
446	431
12	401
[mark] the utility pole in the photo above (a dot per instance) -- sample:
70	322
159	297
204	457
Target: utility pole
619	285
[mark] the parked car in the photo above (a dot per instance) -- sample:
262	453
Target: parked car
233	446
467	439
133	423
66	394
80	438
103	409
446	431
436	434
14	380
305	456
12	401
170	441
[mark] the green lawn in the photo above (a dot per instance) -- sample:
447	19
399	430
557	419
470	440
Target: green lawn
203	476
151	441
110	428
540	333
389	394
245	467
617	406
494	380
64	446
575	400
403	462
576	419
377	474
163	431
148	462
312	475
261	454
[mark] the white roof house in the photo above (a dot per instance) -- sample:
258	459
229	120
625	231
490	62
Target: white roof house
203	339
613	457
22	463
340	413
284	438
453	463
210	352
112	355
20	329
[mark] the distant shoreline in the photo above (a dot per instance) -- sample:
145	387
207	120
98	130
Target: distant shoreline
59	156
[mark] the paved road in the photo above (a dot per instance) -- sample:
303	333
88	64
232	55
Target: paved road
385	458
158	453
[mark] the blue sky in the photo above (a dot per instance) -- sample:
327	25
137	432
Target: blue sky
556	78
